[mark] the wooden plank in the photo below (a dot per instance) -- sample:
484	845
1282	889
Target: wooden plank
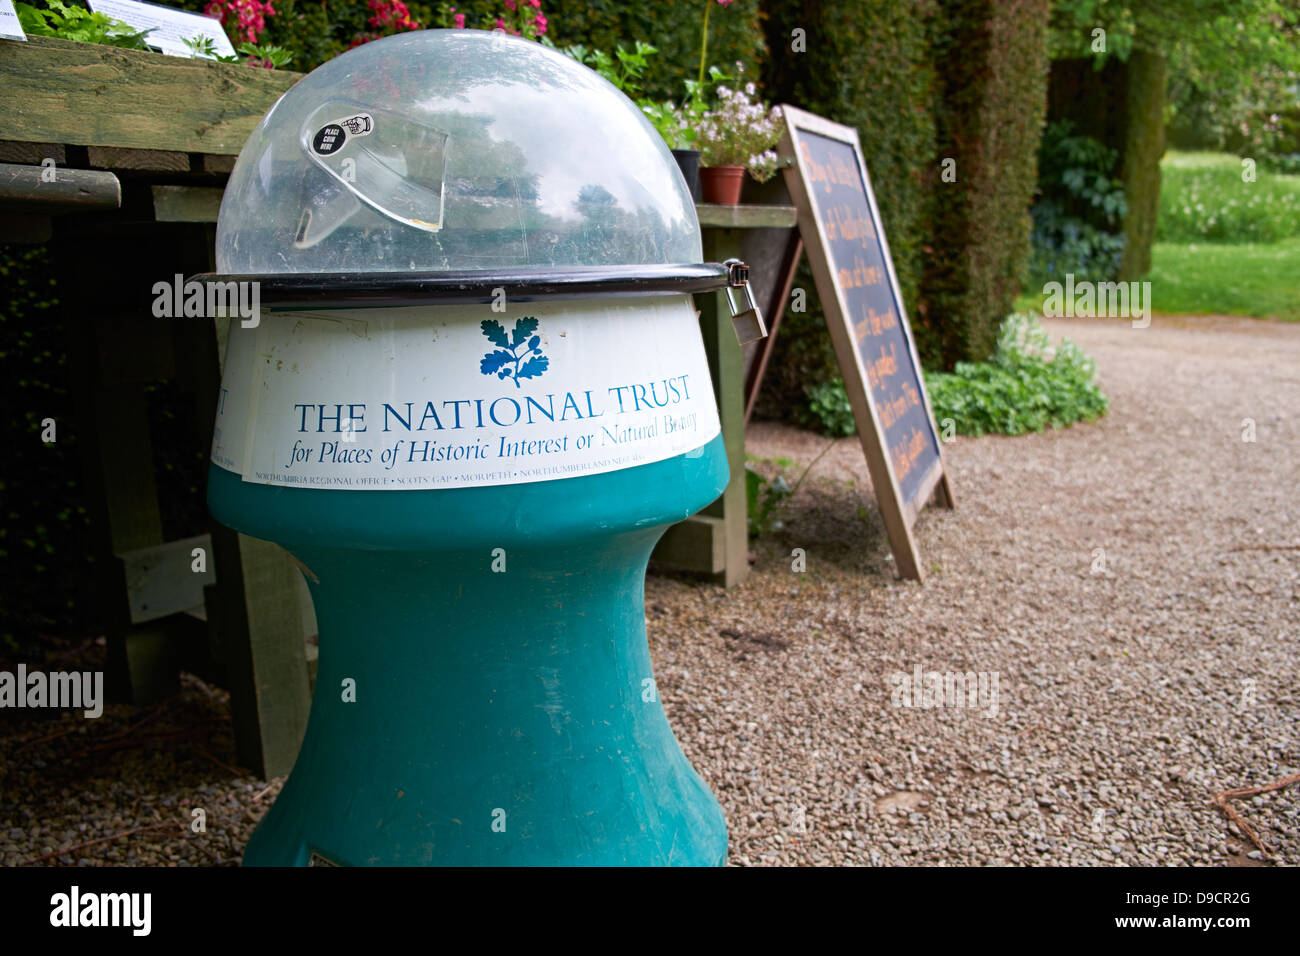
161	580
697	544
776	305
186	203
52	190
32	154
143	667
120	422
219	165
120	495
747	217
148	160
58	91
912	509
718	540
727	369
258	629
944	497
22	228
134	348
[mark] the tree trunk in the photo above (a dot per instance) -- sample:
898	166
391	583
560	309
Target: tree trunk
1144	144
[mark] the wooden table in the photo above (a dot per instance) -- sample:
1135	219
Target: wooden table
140	145
716	541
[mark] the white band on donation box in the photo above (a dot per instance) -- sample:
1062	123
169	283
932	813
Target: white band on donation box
461	396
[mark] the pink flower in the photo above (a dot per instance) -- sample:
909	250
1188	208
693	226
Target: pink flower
540	22
249	16
536	3
392	14
459	21
501	24
510	4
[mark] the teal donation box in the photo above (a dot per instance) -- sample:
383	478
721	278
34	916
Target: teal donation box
474	396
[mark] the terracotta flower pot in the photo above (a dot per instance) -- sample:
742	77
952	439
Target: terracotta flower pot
721	184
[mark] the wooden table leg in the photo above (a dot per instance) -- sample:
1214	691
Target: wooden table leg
256	618
112	358
256	642
716	541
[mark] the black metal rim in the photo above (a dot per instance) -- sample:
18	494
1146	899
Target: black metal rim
392	289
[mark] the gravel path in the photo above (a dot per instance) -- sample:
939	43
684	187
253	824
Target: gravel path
1127	698
1112	577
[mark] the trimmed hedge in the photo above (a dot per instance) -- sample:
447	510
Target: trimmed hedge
316	31
867	64
673	28
991	58
922	81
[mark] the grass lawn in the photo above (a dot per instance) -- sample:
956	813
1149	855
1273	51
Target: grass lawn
1204	198
1256	279
1225	245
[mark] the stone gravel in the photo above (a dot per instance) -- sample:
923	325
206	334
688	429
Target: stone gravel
1133	584
1111	575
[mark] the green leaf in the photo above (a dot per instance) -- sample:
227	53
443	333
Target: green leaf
495	332
523	329
533	367
495	361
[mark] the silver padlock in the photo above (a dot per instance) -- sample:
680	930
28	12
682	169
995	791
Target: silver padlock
748	321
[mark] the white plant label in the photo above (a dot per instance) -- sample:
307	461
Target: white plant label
461	396
169	28
10	27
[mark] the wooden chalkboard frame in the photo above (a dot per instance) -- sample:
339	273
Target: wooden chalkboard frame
899	515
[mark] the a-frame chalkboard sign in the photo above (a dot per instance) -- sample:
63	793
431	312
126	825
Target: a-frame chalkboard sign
849	254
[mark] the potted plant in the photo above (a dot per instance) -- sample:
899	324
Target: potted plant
626	70
736	135
677	125
673	124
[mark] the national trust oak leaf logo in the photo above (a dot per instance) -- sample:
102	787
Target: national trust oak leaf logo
506	360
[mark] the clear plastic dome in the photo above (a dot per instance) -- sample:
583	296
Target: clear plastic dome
453	150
